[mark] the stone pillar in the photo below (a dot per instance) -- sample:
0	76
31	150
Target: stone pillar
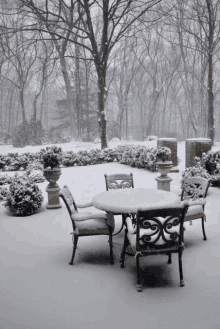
172	144
53	197
163	183
195	147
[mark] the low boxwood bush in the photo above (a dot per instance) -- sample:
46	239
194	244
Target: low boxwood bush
5	179
68	159
196	171
36	165
36	176
137	156
3	193
14	161
24	197
133	155
210	162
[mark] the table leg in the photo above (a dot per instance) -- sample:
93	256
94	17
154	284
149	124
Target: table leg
122	225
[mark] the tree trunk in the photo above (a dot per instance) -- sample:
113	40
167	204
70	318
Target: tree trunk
21	96
152	112
211	127
42	104
87	105
101	105
77	93
69	97
10	112
126	122
35	106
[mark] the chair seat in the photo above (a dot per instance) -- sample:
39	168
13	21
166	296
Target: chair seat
194	212
91	227
84	216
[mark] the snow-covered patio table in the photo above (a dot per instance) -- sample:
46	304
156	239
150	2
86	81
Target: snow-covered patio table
130	200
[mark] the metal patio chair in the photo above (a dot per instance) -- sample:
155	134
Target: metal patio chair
87	223
195	188
157	232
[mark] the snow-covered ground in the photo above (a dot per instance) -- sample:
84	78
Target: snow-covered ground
40	289
71	146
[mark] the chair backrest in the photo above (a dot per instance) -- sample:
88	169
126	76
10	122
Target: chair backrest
117	181
67	197
194	188
160	227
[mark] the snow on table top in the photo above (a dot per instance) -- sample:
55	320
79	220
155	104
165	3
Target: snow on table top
130	200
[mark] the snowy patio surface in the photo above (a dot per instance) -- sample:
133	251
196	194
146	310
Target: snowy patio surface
39	289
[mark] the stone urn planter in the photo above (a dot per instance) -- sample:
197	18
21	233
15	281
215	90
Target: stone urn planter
163	181
52	173
164	167
52	176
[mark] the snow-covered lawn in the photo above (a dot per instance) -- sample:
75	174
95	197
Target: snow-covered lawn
39	289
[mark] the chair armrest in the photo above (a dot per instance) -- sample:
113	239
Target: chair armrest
130	226
84	205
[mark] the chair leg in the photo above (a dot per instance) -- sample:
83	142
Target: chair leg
169	259
139	286
203	228
182	232
74	249
111	245
122	258
182	284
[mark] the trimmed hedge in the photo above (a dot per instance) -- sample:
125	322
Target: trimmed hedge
133	155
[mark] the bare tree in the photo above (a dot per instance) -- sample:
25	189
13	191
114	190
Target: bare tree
20	59
199	19
62	19
158	67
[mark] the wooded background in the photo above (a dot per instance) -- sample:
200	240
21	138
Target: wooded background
111	68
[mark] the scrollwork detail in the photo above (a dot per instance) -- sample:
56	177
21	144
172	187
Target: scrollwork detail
118	185
158	228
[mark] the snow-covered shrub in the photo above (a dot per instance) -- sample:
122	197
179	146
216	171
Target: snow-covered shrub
5	179
36	176
3	193
24	197
36	165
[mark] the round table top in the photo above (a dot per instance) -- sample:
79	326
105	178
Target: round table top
121	201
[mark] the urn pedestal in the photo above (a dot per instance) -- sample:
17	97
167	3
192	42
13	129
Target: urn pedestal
52	176
163	181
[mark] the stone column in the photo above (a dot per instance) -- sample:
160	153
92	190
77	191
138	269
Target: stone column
172	144
53	197
163	183
195	147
